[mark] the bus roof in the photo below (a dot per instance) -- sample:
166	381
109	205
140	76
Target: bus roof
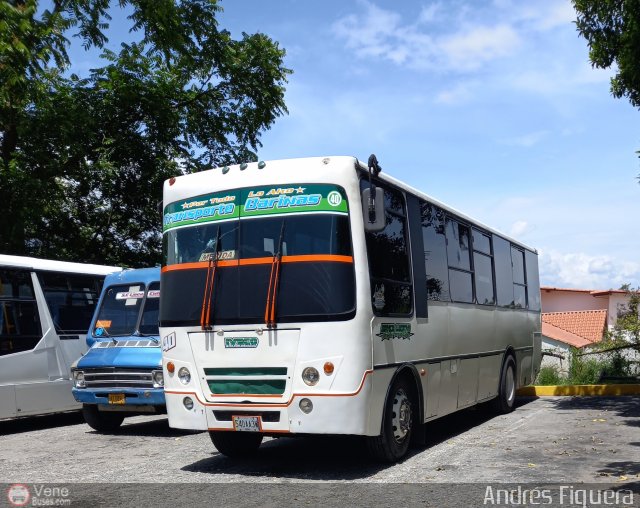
55	266
398	183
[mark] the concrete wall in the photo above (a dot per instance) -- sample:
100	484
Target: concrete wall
564	301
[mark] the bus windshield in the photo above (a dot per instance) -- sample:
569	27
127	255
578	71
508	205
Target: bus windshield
128	310
316	281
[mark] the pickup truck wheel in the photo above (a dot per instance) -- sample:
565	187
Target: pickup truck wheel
102	421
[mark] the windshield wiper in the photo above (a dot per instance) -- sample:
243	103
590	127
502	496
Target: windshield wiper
207	297
274	279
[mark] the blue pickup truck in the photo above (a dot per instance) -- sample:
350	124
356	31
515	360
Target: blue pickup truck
121	373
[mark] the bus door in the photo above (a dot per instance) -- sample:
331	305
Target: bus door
23	355
71	300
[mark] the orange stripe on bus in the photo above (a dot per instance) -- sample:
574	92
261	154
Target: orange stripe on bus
332	258
283	404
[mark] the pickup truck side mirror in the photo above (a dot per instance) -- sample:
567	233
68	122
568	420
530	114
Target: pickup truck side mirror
373	209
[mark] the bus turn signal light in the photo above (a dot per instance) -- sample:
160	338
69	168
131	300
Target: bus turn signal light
328	368
171	367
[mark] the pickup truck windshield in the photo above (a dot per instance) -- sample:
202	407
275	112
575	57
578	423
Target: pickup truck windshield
128	310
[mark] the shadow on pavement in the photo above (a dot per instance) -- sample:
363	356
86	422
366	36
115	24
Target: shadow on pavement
331	457
32	423
158	427
619	469
627	407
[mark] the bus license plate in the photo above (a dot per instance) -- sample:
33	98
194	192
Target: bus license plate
116	398
247	423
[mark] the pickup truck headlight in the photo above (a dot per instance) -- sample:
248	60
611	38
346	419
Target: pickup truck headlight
78	379
158	378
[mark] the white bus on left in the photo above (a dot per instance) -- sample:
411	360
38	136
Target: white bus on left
45	310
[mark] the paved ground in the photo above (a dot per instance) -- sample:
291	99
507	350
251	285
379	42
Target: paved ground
556	439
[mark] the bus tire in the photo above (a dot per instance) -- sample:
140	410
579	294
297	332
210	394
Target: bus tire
505	401
397	426
236	444
102	421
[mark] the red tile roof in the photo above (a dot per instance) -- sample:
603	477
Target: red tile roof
577	328
573	290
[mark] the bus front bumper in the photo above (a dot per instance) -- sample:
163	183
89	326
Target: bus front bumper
329	414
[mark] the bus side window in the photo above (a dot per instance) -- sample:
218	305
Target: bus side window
482	266
20	328
389	269
504	272
533	280
459	256
519	279
435	252
71	299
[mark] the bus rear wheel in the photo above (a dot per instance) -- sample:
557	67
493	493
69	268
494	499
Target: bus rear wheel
236	444
505	401
392	444
102	421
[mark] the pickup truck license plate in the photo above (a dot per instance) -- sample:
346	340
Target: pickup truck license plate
117	398
247	423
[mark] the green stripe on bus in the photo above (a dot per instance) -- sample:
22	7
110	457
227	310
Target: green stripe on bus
246	371
256	387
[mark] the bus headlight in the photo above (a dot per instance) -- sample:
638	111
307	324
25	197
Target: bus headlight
187	402
78	379
184	375
306	406
158	378
310	376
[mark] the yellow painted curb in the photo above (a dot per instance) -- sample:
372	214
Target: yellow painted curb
587	390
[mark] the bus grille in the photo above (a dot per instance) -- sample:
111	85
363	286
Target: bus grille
247	380
266	416
113	377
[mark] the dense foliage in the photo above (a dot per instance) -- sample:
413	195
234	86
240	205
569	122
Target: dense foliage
83	158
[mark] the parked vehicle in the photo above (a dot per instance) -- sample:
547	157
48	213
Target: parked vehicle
45	310
121	373
320	296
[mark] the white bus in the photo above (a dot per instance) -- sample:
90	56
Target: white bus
319	296
45	310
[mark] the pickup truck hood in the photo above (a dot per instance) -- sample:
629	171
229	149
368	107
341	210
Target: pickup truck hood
124	355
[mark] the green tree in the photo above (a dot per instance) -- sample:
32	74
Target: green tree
612	31
83	159
626	332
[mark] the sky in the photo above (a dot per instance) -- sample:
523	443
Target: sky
489	106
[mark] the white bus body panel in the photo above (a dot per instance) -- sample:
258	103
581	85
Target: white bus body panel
38	381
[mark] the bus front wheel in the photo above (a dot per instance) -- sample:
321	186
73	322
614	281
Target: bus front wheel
236	444
102	421
505	401
398	421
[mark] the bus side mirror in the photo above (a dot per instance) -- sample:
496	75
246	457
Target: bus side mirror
373	210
